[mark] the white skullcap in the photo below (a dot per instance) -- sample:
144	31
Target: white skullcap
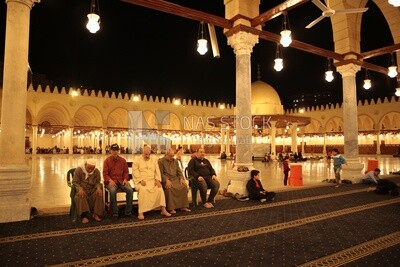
91	161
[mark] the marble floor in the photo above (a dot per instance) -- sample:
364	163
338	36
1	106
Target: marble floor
49	174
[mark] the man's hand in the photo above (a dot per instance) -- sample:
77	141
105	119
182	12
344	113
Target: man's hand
214	177
99	192
81	193
157	183
143	182
111	183
200	178
183	182
168	184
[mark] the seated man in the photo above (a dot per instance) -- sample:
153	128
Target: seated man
175	186
371	177
256	190
116	176
204	177
146	173
89	191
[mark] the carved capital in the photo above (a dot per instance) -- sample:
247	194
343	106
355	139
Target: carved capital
348	70
242	42
29	3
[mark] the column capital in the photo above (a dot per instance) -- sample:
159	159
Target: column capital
348	70
243	42
29	3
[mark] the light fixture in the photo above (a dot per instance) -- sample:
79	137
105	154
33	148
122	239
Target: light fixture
329	73
93	24
395	3
286	38
392	70
201	41
278	58
367	81
397	93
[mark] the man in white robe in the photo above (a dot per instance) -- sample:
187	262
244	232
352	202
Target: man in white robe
147	179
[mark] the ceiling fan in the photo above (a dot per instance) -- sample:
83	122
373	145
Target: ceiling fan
328	12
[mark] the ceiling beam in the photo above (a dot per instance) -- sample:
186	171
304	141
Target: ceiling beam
363	64
182	11
380	51
273	37
276	11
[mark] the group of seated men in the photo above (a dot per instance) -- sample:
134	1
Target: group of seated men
159	182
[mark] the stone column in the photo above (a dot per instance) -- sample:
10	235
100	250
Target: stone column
294	137
223	141
34	139
273	138
324	146
243	43
71	140
378	143
351	171
15	178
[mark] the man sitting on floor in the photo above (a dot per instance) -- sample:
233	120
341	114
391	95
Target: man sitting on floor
371	177
146	173
175	186
89	191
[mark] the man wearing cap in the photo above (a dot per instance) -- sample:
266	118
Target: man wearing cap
116	176
147	177
372	177
89	191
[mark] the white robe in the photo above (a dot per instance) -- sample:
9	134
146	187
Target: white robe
150	196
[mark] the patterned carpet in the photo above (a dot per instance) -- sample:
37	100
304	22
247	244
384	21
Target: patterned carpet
319	226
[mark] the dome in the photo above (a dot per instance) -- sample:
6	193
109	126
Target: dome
264	99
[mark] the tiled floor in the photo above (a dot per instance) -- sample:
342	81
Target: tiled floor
50	191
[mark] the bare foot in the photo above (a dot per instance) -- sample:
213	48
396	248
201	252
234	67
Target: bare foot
185	209
85	220
165	213
96	217
140	216
208	205
172	211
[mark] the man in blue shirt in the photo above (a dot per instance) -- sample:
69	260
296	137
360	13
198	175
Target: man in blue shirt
338	161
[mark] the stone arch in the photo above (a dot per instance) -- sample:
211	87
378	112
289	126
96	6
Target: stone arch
334	124
193	122
54	114
390	121
174	122
118	118
365	123
314	127
88	116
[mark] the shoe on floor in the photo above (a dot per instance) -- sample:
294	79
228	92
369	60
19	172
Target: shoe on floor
263	200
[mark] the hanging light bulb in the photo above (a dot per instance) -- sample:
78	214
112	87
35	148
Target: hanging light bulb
392	69
278	66
367	81
93	24
329	73
397	93
286	38
395	3
202	42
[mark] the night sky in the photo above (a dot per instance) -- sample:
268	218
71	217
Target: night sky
144	51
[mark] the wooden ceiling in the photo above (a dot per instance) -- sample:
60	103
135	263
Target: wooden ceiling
189	13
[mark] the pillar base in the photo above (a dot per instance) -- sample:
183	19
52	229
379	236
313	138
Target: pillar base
352	171
238	180
15	184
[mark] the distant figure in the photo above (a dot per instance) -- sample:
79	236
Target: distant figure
223	155
371	177
286	170
338	161
385	186
256	190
